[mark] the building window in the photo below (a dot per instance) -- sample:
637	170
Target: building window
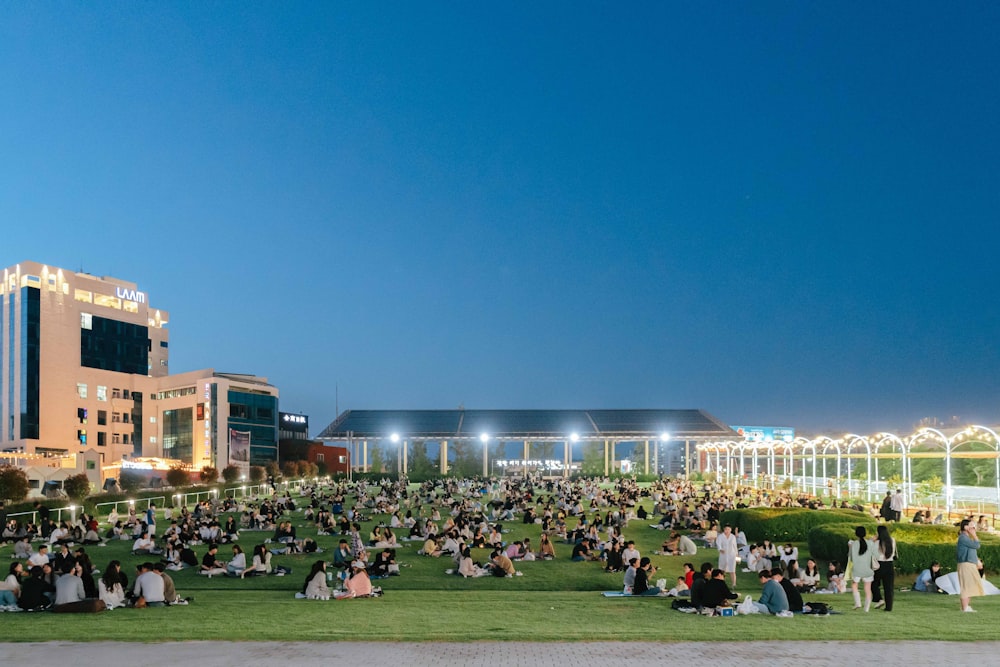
116	417
91	465
124	417
125	438
81	414
320	458
83	295
116	393
102	439
86	321
102	393
102	417
81	435
152	420
342	459
152	439
81	390
116	439
238	410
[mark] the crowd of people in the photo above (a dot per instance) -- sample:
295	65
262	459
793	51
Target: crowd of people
449	519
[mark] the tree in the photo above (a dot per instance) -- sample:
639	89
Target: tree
77	487
420	464
13	484
273	470
291	469
208	475
321	469
593	459
178	476
375	460
130	482
231	473
257	474
310	469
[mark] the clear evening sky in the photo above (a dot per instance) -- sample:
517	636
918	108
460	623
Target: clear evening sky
784	213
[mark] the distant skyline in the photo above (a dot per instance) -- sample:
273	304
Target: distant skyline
781	213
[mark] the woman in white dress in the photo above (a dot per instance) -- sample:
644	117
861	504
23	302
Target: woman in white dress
726	543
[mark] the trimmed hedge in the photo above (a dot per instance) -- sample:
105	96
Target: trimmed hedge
917	545
788	524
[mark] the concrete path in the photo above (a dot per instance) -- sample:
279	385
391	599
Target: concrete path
491	654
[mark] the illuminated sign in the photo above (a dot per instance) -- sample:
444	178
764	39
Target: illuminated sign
130	294
131	465
534	463
295	419
762	433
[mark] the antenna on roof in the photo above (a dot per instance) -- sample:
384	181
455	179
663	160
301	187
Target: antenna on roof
336	399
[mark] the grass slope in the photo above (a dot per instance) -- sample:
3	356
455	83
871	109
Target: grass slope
554	601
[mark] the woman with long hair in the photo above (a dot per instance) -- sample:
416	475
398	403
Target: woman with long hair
970	583
315	587
885	575
861	557
111	587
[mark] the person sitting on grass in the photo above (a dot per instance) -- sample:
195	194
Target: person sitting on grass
385	564
642	574
110	587
791	591
261	564
210	565
145	545
926	580
716	592
680	590
342	555
36	592
582	552
772	598
315	587
546	550
628	581
238	565
431	547
501	566
358	585
613	557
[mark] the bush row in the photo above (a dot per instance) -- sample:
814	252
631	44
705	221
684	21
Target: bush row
916	545
788	524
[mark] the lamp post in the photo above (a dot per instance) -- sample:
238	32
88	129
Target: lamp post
485	438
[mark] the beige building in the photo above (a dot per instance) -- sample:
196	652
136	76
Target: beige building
84	365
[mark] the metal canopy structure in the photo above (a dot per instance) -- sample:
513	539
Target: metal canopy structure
566	426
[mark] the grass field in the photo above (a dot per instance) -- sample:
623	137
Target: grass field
554	601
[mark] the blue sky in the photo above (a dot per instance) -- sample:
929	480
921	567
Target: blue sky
782	213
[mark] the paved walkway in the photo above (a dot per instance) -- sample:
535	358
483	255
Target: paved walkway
491	654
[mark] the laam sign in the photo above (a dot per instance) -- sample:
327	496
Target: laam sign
130	294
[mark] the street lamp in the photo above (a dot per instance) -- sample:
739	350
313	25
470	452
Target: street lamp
485	438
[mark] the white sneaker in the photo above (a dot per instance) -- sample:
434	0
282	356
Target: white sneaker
969	610
879	604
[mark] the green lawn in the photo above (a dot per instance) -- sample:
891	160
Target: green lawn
553	601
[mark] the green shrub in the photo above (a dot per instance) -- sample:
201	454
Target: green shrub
917	545
788	524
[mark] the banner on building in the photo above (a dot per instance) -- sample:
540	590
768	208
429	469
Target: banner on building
239	446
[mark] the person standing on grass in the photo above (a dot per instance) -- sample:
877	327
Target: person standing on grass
861	556
726	543
885	575
898	503
970	584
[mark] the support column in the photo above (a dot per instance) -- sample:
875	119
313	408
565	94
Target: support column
606	458
567	456
365	458
687	459
444	457
614	445
485	460
527	448
646	445
405	448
